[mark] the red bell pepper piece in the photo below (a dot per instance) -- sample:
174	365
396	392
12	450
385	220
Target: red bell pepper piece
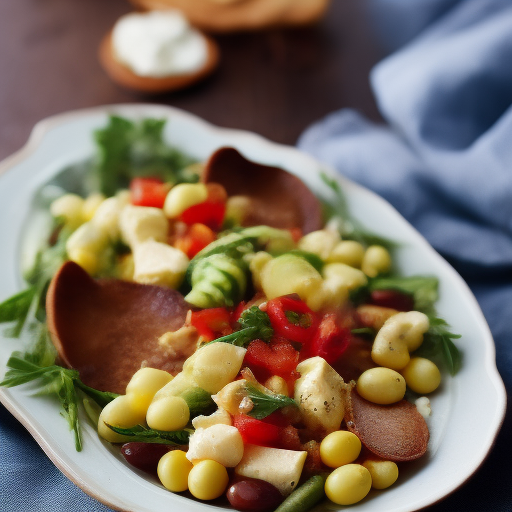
392	299
292	319
275	358
329	342
195	239
266	432
210	323
148	192
209	213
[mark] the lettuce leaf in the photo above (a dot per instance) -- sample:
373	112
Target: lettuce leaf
127	149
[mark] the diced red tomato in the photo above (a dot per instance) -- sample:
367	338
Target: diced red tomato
235	315
210	323
292	319
275	358
195	239
296	234
266	432
209	213
148	192
392	299
329	342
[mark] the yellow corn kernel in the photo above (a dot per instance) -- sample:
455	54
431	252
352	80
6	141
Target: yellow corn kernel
118	413
208	480
349	252
91	205
143	386
381	386
339	448
173	469
400	334
422	375
168	413
376	260
321	242
348	484
384	473
183	196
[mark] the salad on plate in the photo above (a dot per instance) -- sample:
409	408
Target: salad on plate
234	336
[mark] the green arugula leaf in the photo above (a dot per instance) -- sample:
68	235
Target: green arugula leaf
349	227
266	403
364	331
17	306
127	149
424	289
16	309
102	398
53	380
254	325
147	435
438	341
27	308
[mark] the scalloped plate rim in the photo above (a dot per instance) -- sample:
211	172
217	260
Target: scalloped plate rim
8	397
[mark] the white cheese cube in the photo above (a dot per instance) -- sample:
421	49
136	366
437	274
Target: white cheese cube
281	468
141	223
220	416
319	394
159	264
222	443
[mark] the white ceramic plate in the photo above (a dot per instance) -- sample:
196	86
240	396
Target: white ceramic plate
461	436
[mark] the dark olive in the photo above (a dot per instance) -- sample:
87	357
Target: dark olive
144	456
254	495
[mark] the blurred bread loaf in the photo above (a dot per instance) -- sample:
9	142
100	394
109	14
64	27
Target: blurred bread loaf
235	15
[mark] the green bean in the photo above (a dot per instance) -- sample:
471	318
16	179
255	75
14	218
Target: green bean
304	497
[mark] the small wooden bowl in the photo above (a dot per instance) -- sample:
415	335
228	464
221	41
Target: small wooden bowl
125	77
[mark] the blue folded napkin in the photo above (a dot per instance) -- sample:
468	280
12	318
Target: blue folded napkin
444	160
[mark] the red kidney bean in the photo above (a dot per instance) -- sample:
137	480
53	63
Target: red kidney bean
254	496
392	299
144	456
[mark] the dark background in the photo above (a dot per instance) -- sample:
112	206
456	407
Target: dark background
274	83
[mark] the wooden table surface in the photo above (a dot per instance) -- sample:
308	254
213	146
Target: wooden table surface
274	83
